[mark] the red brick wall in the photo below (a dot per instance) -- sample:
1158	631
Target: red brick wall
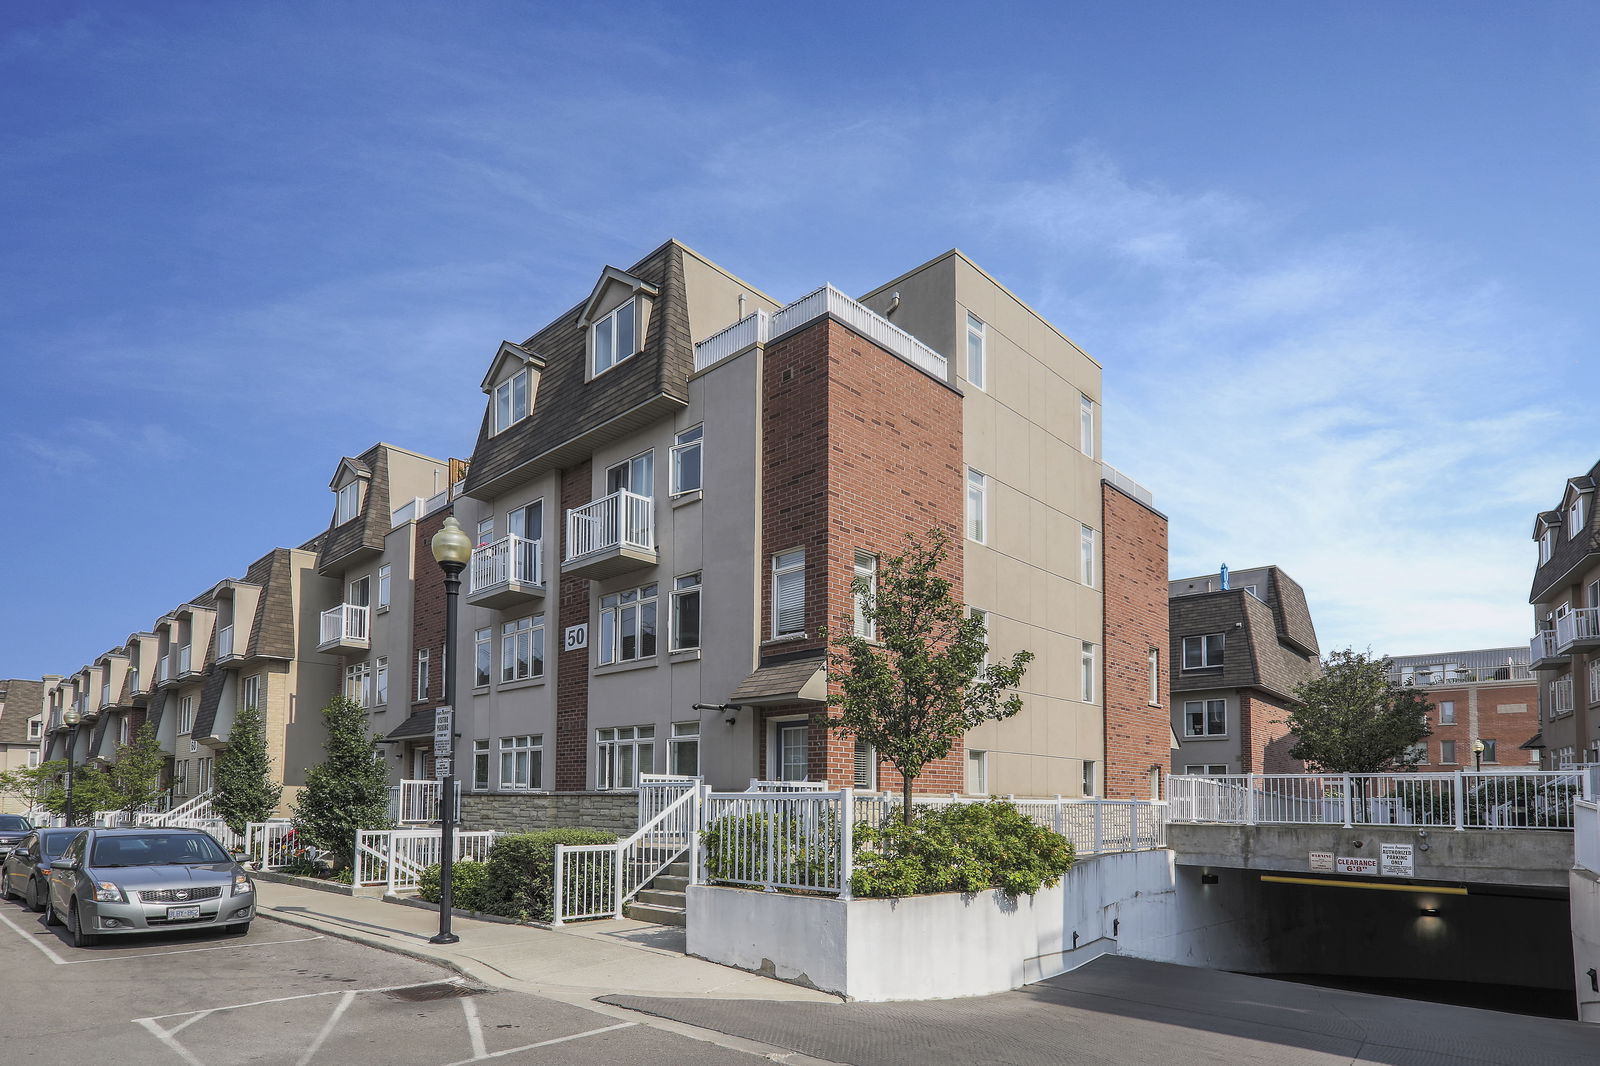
1508	731
427	625
572	667
1264	739
1134	565
859	448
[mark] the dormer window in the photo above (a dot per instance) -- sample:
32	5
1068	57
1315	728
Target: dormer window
1547	544
615	338
511	401
349	503
1577	515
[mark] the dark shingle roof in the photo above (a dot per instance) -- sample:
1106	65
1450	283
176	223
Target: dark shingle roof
158	703
781	681
22	700
205	718
1268	644
420	724
272	630
368	529
565	406
1569	551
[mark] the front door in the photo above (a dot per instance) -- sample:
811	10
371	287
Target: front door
419	763
789	750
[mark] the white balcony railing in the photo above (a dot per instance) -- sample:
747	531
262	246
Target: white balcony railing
621	520
185	659
224	642
1543	645
163	669
105	694
1580	624
133	680
1561	696
346	623
509	559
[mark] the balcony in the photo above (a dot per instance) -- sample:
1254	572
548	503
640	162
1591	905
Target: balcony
1561	697
1542	651
612	535
506	573
1578	629
186	668
163	670
225	643
344	628
134	681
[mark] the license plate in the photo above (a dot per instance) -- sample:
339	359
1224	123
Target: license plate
175	913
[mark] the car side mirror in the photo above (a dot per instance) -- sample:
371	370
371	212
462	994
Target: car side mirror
64	864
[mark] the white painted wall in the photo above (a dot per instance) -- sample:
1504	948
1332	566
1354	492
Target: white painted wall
1585	902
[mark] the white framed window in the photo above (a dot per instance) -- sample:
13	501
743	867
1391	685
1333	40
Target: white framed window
380	681
1089	788
202	775
1205	718
1251	589
1490	749
105	693
482	656
424	671
358	683
628	625
975	357
865	768
1447	752
186	715
522	649
1203	652
480	765
686	459
686	612
1547	544
789	592
33	760
1087	555
791	743
250	691
1086	425
1208	769
982	617
1154	698
122	729
622	754
526	521
1447	712
511	401
615	338
522	762
359	591
683	750
1088	661
485	531
977	506
1577	515
35	728
180	778
637	475
385	581
866	573
977	772
349	503
1533	756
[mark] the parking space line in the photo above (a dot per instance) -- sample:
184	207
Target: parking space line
306	995
543	1043
327	1027
168	1039
469	1007
188	951
49	952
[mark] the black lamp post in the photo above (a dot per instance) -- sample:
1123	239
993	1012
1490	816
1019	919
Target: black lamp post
1477	756
70	718
452	550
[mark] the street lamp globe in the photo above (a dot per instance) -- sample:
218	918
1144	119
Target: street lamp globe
451	546
70	717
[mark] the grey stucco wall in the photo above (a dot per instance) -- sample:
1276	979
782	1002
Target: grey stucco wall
616	812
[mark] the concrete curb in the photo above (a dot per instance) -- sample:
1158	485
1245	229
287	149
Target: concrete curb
372	941
278	877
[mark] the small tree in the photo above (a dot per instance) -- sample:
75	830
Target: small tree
39	786
347	791
135	775
1353	719
245	790
920	682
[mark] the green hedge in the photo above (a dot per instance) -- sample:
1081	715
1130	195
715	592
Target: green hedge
962	847
518	880
468	884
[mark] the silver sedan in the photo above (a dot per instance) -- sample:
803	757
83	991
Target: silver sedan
121	881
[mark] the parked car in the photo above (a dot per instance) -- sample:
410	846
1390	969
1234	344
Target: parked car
13	827
125	881
26	867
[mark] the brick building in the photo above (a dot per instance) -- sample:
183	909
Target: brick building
1487	695
1240	644
1565	650
1138	724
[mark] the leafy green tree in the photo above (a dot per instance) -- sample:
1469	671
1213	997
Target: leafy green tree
39	786
1354	719
245	790
134	775
347	791
919	683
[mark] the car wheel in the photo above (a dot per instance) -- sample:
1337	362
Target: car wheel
50	915
35	896
5	887
80	939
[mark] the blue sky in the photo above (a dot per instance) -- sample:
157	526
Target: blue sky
1337	260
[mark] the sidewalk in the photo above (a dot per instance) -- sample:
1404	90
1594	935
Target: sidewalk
577	964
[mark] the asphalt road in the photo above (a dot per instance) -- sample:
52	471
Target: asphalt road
284	995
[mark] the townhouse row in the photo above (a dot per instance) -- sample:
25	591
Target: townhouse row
1565	649
673	486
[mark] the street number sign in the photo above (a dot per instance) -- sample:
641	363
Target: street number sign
577	637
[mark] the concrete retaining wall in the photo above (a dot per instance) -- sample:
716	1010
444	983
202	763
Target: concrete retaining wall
616	812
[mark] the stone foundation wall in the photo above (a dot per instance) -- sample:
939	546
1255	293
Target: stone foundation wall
617	812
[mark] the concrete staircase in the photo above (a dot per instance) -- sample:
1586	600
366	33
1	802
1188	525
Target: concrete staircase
662	900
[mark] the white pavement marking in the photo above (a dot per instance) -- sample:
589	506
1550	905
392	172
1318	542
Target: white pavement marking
327	1028
307	995
469	1007
543	1043
51	954
166	1038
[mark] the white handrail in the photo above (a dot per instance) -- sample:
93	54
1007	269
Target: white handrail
596	880
622	519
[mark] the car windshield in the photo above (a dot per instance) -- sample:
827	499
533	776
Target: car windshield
54	842
156	849
14	822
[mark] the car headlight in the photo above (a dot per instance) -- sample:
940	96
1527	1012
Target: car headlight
241	885
108	892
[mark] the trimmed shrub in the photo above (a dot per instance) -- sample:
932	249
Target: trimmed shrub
963	847
521	871
468	886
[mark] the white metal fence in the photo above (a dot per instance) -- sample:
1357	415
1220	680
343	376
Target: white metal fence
396	858
1535	799
595	880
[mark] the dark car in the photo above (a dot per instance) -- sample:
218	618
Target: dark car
26	868
113	882
13	827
